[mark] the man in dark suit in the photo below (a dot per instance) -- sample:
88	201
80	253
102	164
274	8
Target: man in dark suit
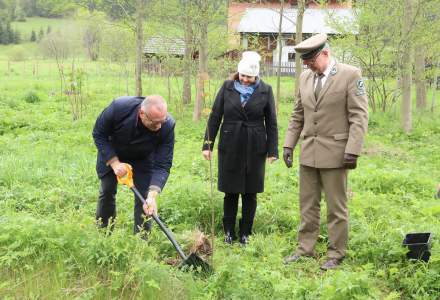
140	132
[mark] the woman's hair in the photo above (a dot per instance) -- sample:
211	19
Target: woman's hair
233	76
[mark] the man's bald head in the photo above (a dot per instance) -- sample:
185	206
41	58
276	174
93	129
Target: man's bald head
154	101
153	112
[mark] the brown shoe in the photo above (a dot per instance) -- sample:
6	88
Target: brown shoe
331	263
292	258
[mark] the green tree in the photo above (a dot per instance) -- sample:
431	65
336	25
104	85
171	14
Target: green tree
20	14
131	14
33	36
40	34
92	38
9	34
16	37
2	34
54	8
29	7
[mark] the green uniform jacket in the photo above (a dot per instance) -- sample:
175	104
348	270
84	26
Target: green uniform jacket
333	124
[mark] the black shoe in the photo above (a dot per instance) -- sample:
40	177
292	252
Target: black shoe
245	231
229	229
244	240
228	238
331	263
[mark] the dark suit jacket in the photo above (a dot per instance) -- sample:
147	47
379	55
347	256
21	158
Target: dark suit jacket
119	132
248	135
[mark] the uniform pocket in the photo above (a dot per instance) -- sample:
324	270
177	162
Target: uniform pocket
341	136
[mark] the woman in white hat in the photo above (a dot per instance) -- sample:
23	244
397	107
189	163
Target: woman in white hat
245	110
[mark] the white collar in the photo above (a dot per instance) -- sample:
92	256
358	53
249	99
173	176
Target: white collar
329	68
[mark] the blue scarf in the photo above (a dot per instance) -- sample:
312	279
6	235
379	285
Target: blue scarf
245	91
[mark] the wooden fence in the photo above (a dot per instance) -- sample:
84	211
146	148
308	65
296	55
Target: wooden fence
266	69
270	69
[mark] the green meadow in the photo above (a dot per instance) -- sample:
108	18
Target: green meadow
51	249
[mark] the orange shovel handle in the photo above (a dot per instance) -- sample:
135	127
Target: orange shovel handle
128	178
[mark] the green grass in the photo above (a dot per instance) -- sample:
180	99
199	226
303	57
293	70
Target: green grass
49	247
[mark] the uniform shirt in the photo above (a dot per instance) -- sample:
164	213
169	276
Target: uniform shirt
325	73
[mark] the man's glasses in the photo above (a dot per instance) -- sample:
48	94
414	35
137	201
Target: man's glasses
154	123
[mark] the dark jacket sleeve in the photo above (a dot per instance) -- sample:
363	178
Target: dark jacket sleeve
101	132
163	158
214	120
270	120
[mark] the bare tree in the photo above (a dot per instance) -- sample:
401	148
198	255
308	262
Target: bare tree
202	74
298	39
280	53
419	77
130	14
436	64
406	68
139	29
208	12
188	55
92	40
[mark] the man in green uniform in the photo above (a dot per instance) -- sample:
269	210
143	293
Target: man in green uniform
330	118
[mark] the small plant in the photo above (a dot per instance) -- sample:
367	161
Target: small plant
31	97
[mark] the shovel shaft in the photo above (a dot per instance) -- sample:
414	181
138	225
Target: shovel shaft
161	225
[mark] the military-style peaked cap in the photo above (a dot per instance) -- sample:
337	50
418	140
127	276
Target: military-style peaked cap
311	46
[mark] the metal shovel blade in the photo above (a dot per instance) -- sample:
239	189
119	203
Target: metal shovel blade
195	262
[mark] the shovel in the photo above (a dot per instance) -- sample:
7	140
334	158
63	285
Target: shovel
193	260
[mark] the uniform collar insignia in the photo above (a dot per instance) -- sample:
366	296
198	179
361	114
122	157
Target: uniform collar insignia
334	70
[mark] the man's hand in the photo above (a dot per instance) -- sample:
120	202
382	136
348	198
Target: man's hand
350	161
119	168
207	154
287	156
150	206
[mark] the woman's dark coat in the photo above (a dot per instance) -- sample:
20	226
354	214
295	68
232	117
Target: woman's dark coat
248	135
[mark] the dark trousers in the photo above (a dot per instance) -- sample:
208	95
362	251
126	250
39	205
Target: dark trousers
230	208
106	208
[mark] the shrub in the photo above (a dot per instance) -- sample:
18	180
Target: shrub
31	97
18	54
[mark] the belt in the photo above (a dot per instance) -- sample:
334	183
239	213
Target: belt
245	123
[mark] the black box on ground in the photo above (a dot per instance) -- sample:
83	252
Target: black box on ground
418	245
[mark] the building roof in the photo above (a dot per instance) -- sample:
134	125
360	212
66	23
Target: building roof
266	20
165	46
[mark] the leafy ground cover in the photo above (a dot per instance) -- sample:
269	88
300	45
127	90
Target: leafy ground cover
50	248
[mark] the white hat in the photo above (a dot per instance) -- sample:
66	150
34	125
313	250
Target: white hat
249	64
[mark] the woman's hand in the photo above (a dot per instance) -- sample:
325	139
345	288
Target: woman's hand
207	154
271	159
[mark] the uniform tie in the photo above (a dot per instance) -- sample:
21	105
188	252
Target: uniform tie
318	86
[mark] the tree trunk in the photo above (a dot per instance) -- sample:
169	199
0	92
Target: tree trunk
187	59
298	39
280	52
202	73
406	69
434	88
139	44
420	78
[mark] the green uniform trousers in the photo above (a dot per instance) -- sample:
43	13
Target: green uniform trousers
334	184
